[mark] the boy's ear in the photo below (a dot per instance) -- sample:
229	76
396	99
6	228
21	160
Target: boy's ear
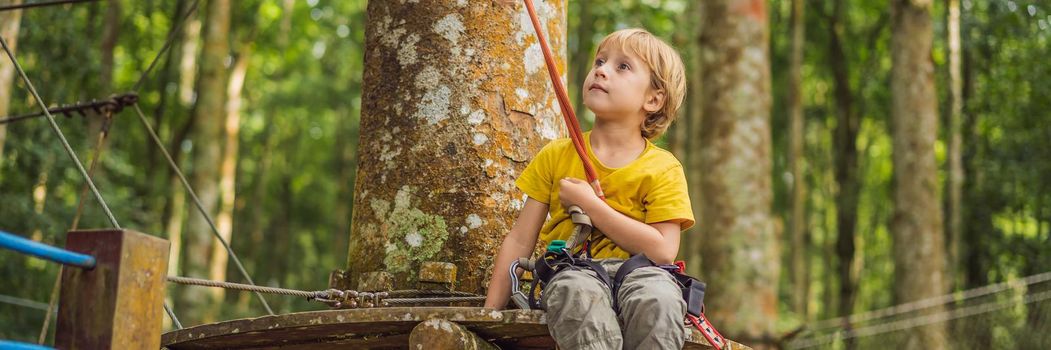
654	101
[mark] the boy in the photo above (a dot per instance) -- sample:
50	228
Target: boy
635	88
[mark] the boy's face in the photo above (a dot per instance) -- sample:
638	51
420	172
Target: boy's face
618	86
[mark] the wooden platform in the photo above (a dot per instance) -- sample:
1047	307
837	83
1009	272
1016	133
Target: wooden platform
376	328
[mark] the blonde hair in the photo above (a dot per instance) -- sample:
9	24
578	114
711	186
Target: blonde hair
667	73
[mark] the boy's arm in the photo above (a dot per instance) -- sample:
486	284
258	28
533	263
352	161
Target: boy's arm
518	243
659	241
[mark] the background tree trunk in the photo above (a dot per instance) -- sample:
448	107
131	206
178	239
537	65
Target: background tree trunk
689	249
955	171
451	113
191	35
798	224
582	61
208	116
175	215
10	21
110	33
919	251
740	248
228	171
846	159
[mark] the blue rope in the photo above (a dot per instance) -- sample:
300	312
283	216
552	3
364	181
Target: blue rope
45	251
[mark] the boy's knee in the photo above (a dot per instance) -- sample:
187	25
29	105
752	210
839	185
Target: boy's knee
576	287
652	289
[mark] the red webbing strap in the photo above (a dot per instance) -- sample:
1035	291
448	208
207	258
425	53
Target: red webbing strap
708	331
563	102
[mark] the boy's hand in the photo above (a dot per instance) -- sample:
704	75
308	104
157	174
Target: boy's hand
575	192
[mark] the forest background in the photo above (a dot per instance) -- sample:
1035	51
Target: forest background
276	105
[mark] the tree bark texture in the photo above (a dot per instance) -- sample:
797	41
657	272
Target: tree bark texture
208	116
740	247
9	24
798	224
919	251
456	100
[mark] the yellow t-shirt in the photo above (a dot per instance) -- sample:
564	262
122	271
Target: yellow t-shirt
650	189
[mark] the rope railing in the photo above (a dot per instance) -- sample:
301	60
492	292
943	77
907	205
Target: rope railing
342	298
932	302
918	321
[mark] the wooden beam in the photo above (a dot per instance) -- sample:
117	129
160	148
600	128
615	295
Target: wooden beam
118	304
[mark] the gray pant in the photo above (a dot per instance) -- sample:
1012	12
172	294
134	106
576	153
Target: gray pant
580	310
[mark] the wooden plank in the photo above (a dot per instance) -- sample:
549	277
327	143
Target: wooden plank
119	303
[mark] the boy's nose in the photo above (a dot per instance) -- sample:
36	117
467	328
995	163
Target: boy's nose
600	71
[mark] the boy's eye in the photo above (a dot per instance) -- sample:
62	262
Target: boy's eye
624	66
599	61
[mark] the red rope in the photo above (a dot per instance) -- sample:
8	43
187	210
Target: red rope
563	101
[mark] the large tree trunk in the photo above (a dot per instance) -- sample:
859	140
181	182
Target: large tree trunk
456	101
208	118
228	172
846	160
798	224
955	172
919	251
9	24
741	246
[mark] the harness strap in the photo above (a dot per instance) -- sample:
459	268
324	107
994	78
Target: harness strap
636	261
552	263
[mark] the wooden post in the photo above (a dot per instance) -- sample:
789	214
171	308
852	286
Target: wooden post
119	303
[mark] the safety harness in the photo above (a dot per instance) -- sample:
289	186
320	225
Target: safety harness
560	255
